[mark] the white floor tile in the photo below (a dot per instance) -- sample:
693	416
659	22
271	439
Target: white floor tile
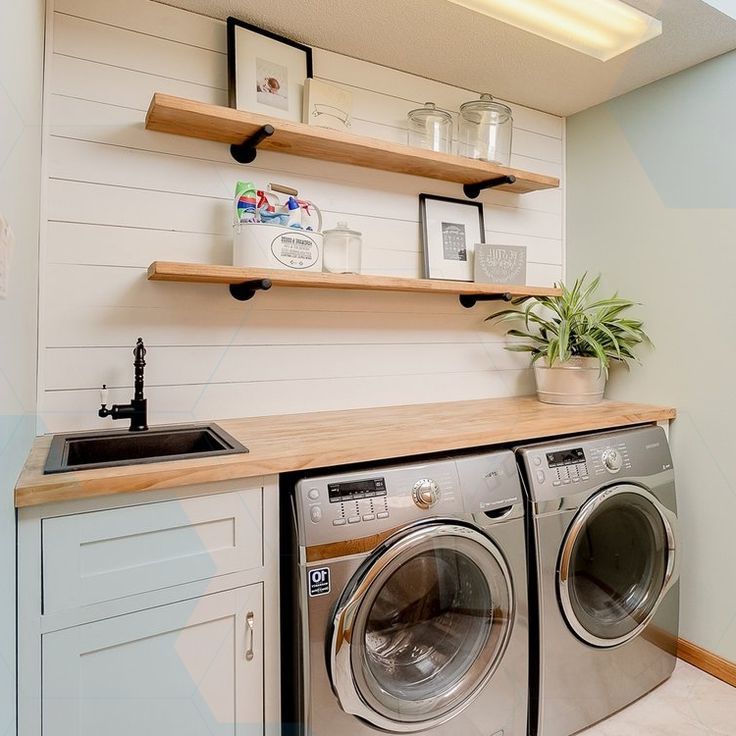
690	703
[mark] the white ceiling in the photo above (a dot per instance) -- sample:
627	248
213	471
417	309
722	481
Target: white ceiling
443	41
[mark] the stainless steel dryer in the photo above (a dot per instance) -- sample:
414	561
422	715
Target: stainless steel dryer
603	573
410	601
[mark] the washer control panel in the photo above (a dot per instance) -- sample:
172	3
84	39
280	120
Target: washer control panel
363	503
568	467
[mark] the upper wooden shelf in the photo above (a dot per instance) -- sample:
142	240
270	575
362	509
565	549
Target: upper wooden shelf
250	278
168	114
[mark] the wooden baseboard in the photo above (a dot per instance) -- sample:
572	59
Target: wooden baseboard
707	661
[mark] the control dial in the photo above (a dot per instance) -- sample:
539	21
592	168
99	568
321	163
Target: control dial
612	460
425	493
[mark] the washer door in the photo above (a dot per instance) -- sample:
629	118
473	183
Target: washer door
616	565
421	627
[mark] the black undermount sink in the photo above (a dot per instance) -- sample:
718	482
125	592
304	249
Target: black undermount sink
104	449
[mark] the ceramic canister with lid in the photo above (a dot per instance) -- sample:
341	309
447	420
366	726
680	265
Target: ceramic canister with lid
430	128
485	130
342	249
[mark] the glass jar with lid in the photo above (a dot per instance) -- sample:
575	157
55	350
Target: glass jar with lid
430	128
485	130
342	249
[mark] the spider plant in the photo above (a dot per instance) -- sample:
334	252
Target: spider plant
576	323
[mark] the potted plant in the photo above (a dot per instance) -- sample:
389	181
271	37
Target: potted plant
573	338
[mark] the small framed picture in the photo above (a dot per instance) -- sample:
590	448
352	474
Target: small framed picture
266	72
450	230
500	264
327	106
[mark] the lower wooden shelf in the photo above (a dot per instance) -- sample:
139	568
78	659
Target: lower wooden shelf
248	280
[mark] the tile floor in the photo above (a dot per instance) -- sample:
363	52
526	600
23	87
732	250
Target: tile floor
690	703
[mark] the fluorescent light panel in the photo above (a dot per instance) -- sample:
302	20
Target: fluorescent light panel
600	28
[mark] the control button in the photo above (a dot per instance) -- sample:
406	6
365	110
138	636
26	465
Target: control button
368	517
315	513
566	481
353	519
313	494
585	477
612	460
540	476
537	460
338	522
556	483
425	493
576	480
382	515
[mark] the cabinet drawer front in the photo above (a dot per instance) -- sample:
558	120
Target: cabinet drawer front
105	555
193	668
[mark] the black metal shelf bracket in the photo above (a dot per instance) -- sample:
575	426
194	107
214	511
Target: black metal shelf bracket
472	191
246	152
469	300
247	290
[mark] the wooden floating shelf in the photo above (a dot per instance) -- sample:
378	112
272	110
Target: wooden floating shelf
195	273
168	114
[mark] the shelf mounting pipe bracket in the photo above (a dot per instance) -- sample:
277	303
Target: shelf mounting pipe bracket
246	152
472	191
247	289
469	300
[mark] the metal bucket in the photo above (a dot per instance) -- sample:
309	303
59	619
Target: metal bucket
576	381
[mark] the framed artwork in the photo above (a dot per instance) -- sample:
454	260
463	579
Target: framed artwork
327	106
266	72
500	264
450	230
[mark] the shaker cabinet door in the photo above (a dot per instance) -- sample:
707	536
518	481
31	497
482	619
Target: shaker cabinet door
193	668
105	555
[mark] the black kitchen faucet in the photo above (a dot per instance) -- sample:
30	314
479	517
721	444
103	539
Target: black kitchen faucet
136	411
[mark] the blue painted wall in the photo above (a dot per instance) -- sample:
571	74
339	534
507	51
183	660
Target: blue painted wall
21	76
651	203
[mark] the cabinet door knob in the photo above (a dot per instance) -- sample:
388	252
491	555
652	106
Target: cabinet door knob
249	634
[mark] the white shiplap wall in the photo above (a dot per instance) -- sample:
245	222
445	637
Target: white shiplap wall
119	197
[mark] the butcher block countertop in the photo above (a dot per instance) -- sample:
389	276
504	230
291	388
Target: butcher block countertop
283	443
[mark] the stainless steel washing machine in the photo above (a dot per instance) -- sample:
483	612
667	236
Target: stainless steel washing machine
410	601
603	573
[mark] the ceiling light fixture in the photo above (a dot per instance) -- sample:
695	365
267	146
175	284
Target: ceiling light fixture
600	28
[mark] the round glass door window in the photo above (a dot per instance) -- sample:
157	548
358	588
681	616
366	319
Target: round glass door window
615	565
428	629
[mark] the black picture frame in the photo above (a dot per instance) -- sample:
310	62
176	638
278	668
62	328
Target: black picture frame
235	23
423	219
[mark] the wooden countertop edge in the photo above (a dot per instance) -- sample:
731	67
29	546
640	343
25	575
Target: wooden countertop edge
34	488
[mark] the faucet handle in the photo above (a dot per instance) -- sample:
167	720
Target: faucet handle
104	395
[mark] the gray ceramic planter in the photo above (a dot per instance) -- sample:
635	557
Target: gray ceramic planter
576	381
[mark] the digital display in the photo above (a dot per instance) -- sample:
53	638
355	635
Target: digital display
356	489
565	457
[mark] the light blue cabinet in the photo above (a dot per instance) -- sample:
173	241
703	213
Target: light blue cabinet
151	614
193	668
105	555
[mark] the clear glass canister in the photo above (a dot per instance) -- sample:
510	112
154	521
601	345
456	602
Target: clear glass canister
430	128
342	249
485	130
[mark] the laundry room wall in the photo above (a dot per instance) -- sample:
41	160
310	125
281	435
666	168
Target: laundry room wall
651	205
21	68
120	197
